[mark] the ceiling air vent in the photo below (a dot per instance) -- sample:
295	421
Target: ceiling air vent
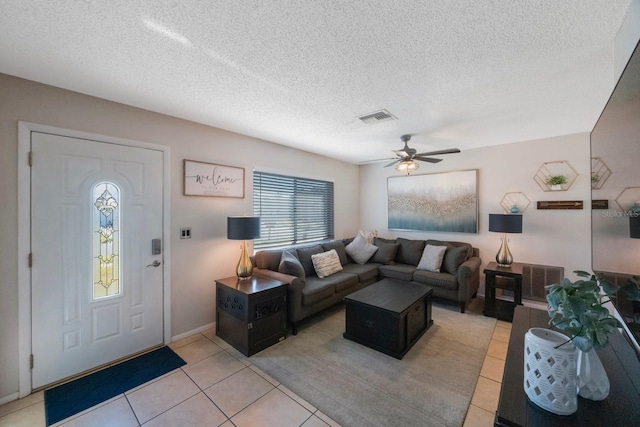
378	116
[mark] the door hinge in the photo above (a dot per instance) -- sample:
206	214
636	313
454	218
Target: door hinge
30	158
30	259
31	361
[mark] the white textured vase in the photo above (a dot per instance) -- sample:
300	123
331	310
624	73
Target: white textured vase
550	365
593	383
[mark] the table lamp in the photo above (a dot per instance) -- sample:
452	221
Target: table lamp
505	223
243	228
634	227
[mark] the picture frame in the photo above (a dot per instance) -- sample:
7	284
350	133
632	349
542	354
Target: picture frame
213	180
446	201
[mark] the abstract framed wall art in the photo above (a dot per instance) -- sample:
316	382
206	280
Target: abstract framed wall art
445	202
210	179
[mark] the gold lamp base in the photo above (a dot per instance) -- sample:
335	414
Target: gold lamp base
504	257
245	268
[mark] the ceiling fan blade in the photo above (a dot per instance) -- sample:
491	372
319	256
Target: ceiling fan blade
402	153
377	160
427	159
434	153
393	163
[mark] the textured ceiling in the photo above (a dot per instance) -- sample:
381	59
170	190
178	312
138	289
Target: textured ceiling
456	73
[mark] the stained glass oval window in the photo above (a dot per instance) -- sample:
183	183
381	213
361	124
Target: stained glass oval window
106	240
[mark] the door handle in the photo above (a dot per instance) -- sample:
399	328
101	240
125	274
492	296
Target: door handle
155	263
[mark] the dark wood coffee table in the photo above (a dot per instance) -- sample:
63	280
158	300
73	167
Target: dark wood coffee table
389	316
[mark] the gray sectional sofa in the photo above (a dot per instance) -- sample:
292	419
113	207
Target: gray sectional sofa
457	280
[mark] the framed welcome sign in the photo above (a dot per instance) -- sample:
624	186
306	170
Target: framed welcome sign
213	180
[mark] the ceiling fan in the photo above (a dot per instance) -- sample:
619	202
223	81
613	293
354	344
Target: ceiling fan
405	159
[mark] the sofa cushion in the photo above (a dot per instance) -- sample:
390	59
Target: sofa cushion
269	260
438	280
316	290
326	263
304	255
290	265
451	245
366	272
386	253
397	271
360	250
338	245
432	257
453	257
338	282
410	251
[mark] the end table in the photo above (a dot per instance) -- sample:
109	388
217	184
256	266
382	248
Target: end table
251	314
494	307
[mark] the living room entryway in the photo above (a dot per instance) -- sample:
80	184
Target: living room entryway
97	275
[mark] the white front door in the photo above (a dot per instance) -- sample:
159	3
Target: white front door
96	285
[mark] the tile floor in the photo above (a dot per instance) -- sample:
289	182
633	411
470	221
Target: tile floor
220	387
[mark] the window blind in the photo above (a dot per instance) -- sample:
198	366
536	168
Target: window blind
292	210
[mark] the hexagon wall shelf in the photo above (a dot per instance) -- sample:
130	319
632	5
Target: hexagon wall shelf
509	200
627	198
600	172
549	169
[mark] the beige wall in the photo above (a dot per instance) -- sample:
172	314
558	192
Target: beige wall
196	262
551	237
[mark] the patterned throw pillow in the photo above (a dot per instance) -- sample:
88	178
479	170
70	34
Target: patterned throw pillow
326	263
360	250
432	258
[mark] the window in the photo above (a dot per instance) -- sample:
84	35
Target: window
292	210
106	240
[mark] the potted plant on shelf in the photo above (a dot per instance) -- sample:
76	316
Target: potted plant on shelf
578	309
555	182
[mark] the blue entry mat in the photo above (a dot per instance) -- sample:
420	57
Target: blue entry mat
68	399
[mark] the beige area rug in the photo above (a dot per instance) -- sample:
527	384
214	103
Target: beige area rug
357	386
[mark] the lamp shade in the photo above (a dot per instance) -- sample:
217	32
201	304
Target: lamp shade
503	223
634	227
243	227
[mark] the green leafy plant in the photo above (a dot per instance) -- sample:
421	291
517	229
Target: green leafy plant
577	308
556	180
632	292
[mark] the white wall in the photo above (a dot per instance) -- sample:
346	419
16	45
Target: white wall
197	262
551	237
626	39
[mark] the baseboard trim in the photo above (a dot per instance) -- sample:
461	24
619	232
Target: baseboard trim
9	398
193	331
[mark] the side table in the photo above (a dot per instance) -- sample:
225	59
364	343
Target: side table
251	314
494	307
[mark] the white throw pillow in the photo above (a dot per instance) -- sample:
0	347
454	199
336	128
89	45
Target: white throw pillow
326	263
360	250
369	234
432	257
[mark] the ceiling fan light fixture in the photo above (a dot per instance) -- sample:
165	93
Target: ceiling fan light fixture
407	166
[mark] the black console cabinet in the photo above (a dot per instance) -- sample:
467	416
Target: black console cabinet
620	408
251	314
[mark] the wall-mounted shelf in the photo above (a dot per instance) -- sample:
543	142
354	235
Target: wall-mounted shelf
627	198
549	169
515	199
560	204
600	172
